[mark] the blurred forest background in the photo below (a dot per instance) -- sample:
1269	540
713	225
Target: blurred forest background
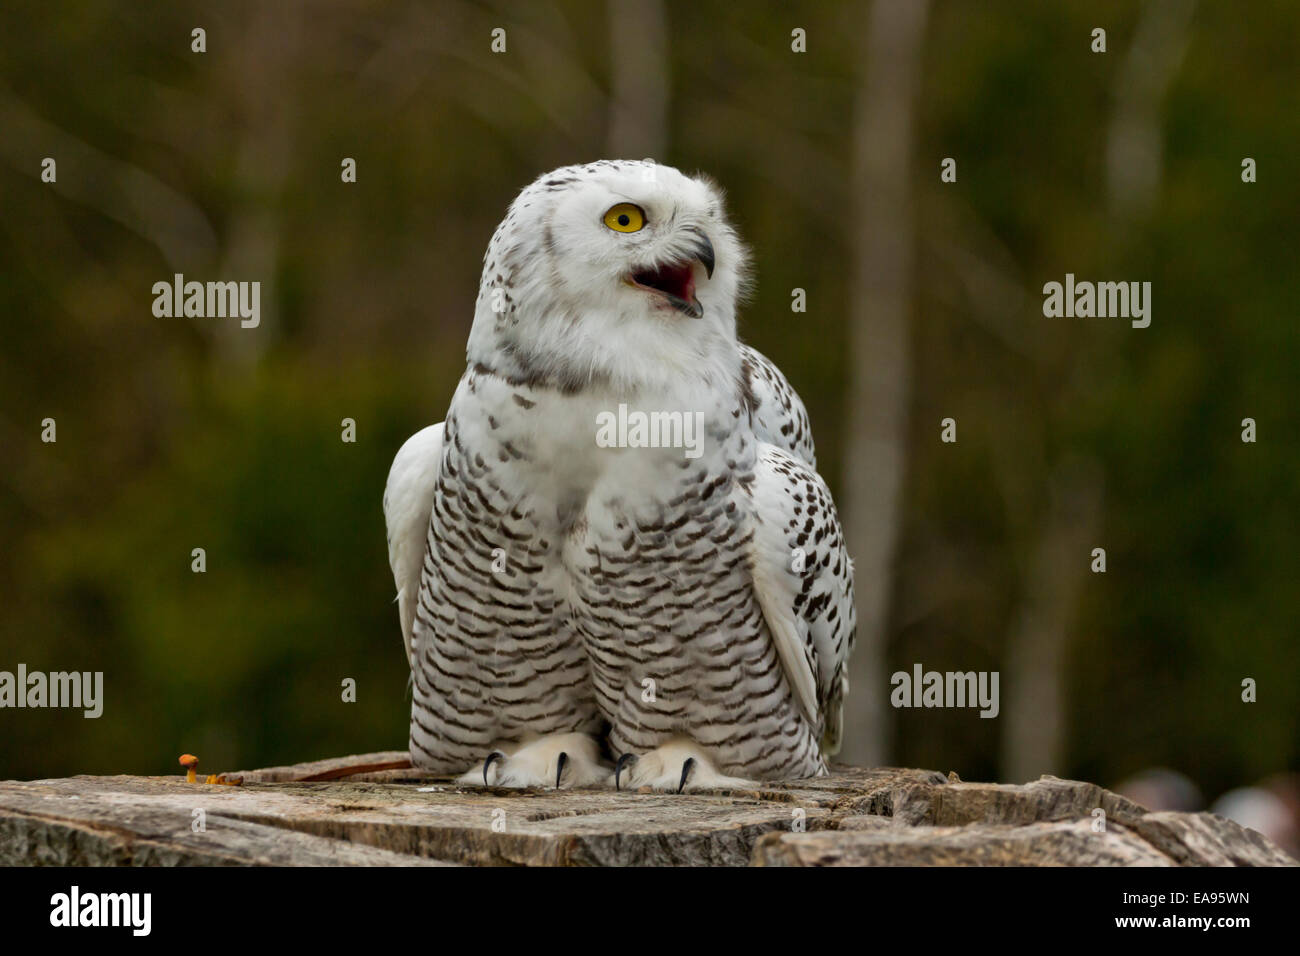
923	302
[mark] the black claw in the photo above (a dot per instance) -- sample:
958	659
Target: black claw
559	767
623	761
494	755
686	772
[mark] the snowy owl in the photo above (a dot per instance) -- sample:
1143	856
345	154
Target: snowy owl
616	564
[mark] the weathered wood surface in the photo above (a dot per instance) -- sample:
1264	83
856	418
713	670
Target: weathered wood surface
399	817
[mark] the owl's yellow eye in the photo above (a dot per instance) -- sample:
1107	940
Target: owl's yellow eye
625	217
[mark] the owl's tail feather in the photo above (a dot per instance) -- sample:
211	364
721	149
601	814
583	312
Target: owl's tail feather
338	773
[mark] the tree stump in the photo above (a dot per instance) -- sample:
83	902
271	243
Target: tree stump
885	816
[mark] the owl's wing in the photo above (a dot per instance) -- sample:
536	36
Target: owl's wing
779	416
408	506
804	582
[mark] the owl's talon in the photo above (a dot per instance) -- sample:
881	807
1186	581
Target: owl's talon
674	767
686	771
570	760
623	761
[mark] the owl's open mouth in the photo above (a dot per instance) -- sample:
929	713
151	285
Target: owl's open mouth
675	282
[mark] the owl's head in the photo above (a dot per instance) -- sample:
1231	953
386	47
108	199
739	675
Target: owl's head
617	273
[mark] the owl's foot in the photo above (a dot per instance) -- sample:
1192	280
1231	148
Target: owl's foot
560	761
677	766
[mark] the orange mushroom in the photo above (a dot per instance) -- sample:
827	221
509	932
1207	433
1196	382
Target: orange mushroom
189	762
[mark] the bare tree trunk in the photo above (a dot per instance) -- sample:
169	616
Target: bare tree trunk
1034	712
638	115
1134	146
1034	682
268	55
880	355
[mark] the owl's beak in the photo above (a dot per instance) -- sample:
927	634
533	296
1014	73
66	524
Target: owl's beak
704	252
675	281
